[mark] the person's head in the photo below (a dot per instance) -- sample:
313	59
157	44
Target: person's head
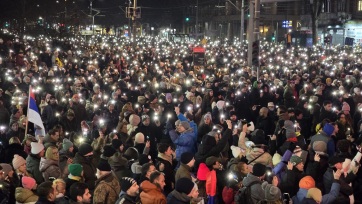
28	183
129	186
14	140
103	168
315	194
37	149
188	159
79	192
59	187
14	126
213	162
67	145
297	162
342	118
147	169
19	164
259	170
336	162
207	118
243	168
75	169
54	134
52	153
165	148
327	105
186	186
118	145
52	100
182	126
263	112
146	120
46	191
307	182
70	115
158	179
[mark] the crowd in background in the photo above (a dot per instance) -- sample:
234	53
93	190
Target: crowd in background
138	121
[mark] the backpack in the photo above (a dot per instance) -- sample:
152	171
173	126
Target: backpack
243	196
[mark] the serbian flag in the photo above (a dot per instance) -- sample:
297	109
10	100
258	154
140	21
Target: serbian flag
33	113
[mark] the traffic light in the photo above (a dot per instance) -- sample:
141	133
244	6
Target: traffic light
187	19
255	53
273	37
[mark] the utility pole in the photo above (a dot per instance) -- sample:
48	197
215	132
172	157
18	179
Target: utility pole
134	27
90	13
242	19
256	32
250	32
197	20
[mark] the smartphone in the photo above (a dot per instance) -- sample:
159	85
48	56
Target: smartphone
286	197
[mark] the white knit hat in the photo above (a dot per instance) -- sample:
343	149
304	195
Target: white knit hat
36	147
18	161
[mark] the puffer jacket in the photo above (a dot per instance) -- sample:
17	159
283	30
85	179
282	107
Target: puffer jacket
26	196
151	194
32	166
327	198
49	168
184	142
176	197
107	189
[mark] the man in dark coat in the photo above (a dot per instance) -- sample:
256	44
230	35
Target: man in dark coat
50	114
84	157
33	161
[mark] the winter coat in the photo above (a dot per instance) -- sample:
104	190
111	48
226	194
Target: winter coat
167	167
203	130
49	168
289	100
326	199
176	197
257	193
107	189
13	149
89	170
184	142
119	165
124	198
44	201
183	171
253	153
26	196
32	167
49	116
151	194
193	125
345	190
63	161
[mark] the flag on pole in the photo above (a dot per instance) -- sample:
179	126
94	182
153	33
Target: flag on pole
33	112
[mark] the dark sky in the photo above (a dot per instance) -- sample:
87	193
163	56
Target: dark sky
159	12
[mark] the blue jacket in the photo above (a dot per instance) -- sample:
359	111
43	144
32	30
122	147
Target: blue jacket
326	199
193	125
184	142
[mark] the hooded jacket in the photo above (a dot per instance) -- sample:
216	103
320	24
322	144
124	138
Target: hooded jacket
32	166
257	193
89	170
176	197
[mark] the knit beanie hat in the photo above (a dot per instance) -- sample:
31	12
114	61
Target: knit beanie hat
186	157
84	149
6	168
259	169
50	155
296	160
28	182
207	115
143	159
67	144
134	120
103	165
139	138
328	129
116	143
126	183
315	194
75	169
184	185
307	182
108	151
346	107
289	129
272	193
18	161
185	124
36	147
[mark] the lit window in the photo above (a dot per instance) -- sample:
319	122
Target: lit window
360	5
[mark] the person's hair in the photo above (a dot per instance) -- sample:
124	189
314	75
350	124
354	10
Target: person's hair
326	102
44	189
145	168
239	167
77	189
283	109
60	185
13	140
53	131
154	176
297	111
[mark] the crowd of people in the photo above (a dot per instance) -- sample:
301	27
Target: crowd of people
139	121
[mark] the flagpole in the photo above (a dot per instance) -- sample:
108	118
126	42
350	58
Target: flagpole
27	112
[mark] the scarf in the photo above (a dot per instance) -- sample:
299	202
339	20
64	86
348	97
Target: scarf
165	157
77	178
